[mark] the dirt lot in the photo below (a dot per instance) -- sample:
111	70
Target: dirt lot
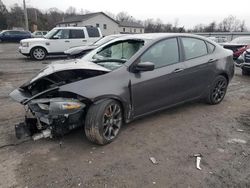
171	136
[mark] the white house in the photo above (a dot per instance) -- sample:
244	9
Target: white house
131	27
107	24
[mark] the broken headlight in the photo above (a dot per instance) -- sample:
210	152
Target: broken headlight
56	106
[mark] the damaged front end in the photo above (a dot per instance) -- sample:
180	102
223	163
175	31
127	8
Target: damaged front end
50	117
49	112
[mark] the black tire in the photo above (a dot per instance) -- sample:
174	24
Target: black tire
38	53
103	121
245	72
218	90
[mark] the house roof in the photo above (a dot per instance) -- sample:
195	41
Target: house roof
80	18
130	24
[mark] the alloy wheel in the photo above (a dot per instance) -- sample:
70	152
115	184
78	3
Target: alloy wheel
39	53
112	121
219	90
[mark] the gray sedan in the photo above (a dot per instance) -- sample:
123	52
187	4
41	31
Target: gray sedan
122	80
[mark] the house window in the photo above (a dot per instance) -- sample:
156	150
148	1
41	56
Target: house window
130	30
134	30
97	25
104	26
140	30
124	29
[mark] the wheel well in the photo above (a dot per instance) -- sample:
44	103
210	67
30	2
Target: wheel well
225	75
39	47
123	106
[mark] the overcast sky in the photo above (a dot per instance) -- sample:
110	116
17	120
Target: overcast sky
188	12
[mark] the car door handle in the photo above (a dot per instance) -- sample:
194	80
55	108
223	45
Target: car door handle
178	70
212	60
66	41
84	40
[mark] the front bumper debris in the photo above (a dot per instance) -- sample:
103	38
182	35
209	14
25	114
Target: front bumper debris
40	123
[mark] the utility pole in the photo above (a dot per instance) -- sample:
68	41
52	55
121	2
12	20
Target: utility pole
25	16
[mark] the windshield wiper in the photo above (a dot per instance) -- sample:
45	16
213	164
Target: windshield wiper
110	60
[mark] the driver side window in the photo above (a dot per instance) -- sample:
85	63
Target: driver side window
163	53
62	34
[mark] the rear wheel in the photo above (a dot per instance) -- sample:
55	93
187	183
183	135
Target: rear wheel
218	90
103	122
38	53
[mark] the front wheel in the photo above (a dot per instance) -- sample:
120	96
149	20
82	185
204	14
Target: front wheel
103	121
218	90
38	53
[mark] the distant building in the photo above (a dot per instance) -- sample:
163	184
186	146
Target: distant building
107	24
131	27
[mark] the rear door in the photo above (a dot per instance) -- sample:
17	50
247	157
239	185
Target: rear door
93	34
77	38
165	85
200	65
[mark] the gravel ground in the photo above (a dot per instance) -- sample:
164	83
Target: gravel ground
221	133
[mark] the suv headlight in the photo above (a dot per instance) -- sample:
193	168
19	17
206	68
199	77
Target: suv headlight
25	44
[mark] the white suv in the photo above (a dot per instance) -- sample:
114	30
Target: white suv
58	40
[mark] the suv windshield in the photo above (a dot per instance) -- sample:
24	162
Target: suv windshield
113	55
50	33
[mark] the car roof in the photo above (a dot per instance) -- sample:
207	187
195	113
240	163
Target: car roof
156	36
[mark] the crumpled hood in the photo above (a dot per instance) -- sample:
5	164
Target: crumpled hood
68	65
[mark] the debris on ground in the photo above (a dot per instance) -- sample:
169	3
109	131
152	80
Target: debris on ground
240	130
153	160
198	160
237	140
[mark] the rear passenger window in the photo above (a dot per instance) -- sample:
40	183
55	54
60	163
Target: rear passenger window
210	47
163	53
194	47
93	32
76	34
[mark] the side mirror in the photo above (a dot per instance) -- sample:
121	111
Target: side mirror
55	37
144	66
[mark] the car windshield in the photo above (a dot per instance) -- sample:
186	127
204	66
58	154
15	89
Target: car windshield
50	33
241	41
113	55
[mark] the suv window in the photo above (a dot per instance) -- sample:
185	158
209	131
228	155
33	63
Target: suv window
163	53
62	34
76	34
194	47
93	32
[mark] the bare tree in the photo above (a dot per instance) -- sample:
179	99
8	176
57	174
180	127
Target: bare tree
124	16
3	16
71	11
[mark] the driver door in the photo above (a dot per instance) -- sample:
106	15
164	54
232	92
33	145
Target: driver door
165	85
60	41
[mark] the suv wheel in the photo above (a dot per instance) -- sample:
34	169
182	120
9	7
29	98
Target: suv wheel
218	90
38	53
103	122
